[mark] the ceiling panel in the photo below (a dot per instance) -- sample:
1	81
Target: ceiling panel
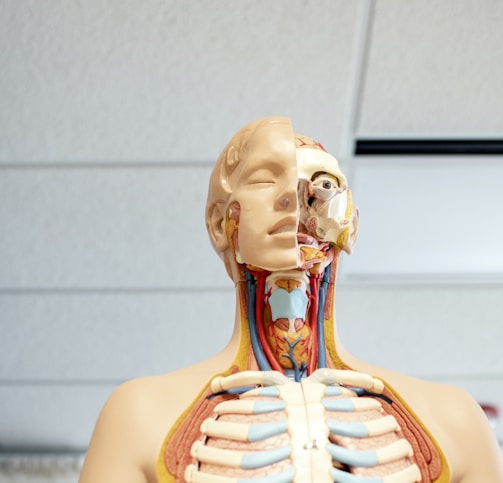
434	69
166	80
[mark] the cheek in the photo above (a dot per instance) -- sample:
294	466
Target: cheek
251	229
244	225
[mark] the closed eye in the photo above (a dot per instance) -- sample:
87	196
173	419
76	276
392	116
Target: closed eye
261	177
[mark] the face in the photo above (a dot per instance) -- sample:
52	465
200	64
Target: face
264	200
279	191
325	207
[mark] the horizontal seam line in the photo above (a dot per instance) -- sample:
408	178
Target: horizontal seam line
105	165
111	290
61	382
116	381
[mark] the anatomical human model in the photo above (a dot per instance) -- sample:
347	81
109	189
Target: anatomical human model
284	402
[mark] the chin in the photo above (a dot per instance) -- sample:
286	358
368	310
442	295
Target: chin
278	262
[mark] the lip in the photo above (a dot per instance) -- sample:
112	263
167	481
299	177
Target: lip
285	225
305	239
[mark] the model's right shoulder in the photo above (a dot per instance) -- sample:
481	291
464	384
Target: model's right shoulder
115	453
137	417
132	426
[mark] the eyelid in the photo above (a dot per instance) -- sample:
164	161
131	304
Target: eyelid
328	176
340	183
261	176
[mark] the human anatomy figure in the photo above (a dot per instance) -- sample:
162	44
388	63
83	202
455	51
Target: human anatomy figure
284	401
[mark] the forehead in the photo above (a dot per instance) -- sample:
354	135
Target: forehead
272	141
272	146
311	160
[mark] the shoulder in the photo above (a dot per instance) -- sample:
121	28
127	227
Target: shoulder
461	429
469	439
144	402
122	438
148	406
134	422
457	423
133	403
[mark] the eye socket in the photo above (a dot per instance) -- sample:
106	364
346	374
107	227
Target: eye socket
325	186
326	181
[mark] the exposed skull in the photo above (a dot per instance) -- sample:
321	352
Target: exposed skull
325	206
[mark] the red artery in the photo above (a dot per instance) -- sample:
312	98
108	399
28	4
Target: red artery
313	323
259	314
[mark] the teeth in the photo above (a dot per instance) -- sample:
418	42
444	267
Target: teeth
285	229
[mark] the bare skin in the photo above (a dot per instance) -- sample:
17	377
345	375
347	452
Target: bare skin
267	184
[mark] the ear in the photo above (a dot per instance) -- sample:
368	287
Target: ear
353	231
215	224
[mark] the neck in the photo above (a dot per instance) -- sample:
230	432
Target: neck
287	320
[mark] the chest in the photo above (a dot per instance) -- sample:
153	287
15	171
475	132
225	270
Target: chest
261	427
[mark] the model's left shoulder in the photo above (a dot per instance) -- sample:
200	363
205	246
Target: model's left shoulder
464	433
461	413
457	423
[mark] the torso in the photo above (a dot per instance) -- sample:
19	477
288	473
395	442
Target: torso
416	393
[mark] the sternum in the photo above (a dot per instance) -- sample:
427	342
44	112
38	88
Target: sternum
308	432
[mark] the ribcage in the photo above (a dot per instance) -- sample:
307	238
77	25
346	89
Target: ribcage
324	429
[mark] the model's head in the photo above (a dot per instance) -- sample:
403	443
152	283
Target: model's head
271	188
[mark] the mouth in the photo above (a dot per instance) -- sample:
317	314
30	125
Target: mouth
286	225
285	229
305	239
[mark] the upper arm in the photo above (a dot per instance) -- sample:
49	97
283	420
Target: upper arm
114	454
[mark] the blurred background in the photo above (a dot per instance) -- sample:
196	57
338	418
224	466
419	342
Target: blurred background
112	114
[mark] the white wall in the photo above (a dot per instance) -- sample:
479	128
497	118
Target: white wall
112	114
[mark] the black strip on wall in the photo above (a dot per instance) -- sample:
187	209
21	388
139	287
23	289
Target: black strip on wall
378	147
